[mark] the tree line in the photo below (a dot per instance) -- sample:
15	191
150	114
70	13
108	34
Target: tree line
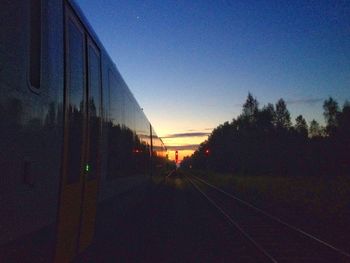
263	140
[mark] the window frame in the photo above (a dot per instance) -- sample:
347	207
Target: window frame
38	56
71	17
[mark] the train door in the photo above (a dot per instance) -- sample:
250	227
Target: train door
80	164
92	166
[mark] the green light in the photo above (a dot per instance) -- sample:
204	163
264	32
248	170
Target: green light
87	167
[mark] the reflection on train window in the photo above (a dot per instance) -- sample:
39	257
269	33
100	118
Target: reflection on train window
35	43
117	95
126	154
94	110
75	88
114	127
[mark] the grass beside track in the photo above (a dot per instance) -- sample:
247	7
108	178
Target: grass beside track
318	196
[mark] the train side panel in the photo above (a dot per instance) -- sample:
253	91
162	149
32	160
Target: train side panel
33	111
31	103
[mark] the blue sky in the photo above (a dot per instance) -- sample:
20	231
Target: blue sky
190	64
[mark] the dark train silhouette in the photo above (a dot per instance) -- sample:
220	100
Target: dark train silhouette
72	136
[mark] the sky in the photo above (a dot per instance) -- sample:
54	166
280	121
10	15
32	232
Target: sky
191	64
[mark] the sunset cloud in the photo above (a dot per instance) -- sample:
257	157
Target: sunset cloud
191	147
305	101
186	134
194	130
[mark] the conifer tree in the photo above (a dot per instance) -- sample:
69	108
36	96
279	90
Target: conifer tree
282	116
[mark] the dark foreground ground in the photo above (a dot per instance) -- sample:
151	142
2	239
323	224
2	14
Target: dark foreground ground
167	221
317	205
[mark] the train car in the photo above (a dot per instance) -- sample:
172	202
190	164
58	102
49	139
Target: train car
72	135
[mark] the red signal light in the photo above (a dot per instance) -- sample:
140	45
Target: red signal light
176	156
207	151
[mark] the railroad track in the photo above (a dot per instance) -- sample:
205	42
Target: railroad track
276	240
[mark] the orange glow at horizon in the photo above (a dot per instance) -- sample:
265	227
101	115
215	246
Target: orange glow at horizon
184	143
182	154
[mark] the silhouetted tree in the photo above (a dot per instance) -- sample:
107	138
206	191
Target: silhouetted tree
315	129
263	141
301	126
282	116
250	108
344	120
266	118
331	112
342	138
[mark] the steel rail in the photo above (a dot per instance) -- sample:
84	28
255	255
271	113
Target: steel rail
300	231
170	173
233	222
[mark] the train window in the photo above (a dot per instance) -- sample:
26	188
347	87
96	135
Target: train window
35	44
75	89
113	129
94	106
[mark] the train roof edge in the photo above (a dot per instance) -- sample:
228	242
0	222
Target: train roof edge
80	14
